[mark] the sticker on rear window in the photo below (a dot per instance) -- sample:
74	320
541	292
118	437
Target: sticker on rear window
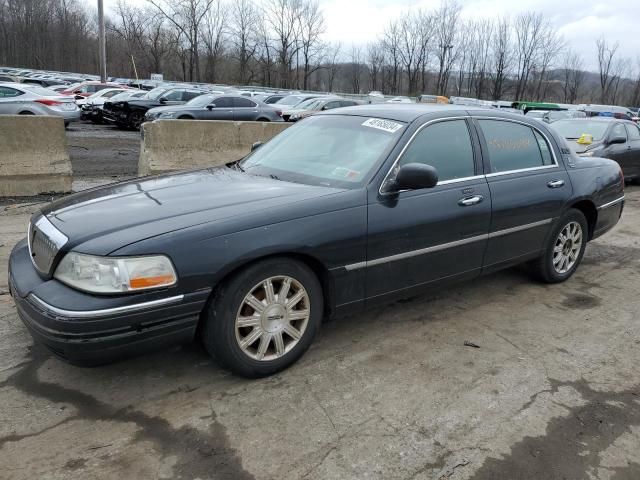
385	125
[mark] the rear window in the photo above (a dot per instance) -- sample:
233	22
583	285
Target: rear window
514	146
574	129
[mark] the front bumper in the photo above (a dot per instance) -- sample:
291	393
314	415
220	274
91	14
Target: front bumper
90	329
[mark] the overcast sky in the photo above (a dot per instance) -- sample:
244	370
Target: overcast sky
581	22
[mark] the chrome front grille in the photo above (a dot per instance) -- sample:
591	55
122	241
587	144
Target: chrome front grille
45	241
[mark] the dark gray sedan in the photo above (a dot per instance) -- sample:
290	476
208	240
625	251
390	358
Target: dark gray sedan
218	107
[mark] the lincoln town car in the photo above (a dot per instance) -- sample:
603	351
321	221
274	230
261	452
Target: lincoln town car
345	210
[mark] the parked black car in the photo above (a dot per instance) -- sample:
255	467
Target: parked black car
346	209
130	113
605	137
218	107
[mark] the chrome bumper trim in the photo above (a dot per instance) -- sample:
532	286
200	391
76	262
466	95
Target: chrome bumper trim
104	312
611	204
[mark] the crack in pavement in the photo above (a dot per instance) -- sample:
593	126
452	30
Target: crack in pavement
205	455
571	445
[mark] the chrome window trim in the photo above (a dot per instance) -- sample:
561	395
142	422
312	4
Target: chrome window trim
444	246
104	312
612	203
420	128
556	164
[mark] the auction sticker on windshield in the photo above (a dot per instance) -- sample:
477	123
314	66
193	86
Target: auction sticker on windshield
385	125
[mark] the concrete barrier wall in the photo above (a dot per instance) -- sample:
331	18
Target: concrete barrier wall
169	145
33	156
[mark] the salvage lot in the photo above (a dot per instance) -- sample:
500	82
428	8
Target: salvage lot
552	392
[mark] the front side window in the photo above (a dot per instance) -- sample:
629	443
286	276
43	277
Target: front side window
634	132
186	96
174	96
618	130
331	150
223	102
446	146
514	146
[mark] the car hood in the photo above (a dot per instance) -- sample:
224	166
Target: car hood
102	220
580	147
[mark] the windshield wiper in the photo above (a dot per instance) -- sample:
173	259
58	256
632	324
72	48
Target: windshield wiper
273	176
236	165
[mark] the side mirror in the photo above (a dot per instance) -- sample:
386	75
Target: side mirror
211	106
617	139
255	146
324	107
163	100
79	97
414	176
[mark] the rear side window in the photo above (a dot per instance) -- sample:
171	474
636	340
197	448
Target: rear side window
6	92
223	102
186	96
514	146
243	102
174	96
446	146
634	132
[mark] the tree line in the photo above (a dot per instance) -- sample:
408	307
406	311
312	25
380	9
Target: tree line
282	44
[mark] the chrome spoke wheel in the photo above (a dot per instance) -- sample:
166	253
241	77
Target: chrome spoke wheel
567	247
272	318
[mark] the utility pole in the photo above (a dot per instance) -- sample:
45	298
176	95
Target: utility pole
102	54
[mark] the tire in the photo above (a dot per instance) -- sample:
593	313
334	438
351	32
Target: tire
263	120
135	120
26	113
185	117
556	267
269	345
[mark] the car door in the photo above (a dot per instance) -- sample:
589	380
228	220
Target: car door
244	109
416	237
631	165
616	151
529	188
220	109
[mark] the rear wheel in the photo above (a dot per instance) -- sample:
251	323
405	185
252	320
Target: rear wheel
26	113
565	248
263	120
264	318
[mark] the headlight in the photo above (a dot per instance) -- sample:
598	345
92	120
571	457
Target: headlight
587	154
115	274
166	115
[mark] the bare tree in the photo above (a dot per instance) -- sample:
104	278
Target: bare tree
375	57
528	29
214	37
446	31
606	56
244	23
312	27
550	47
333	66
187	17
502	57
573	76
283	19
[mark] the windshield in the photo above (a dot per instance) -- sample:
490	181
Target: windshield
201	100
307	104
155	93
574	129
290	100
336	151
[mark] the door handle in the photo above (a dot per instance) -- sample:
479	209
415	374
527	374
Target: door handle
468	201
555	184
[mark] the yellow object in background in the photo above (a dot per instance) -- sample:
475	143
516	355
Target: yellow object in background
585	139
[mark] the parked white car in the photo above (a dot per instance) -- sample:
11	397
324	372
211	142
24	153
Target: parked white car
28	99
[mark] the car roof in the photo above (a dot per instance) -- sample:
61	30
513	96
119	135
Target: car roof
408	112
597	119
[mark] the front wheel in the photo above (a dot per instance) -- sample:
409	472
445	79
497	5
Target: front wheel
264	318
564	250
135	119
